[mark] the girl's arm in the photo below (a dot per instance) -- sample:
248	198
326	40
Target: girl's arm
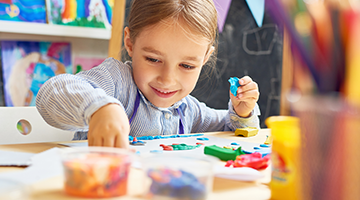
75	102
67	101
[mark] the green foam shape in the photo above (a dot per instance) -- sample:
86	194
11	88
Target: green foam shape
184	147
222	153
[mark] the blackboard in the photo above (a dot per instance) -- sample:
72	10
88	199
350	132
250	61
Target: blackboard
244	49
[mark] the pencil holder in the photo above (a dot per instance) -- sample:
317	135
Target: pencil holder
330	133
96	172
178	176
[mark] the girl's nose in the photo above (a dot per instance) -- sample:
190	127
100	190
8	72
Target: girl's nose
167	76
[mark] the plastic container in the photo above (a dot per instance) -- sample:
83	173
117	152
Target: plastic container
178	176
12	190
285	157
96	172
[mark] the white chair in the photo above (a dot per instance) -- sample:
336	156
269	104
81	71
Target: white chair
31	123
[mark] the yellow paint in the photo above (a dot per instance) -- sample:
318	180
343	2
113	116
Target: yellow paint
285	157
73	8
111	3
13	10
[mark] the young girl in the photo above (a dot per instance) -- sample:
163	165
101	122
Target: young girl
169	42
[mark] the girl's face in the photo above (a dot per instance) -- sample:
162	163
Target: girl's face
166	61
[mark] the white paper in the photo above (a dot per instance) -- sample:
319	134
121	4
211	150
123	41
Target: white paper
11	158
155	145
44	165
241	173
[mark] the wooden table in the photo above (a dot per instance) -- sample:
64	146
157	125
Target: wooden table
223	189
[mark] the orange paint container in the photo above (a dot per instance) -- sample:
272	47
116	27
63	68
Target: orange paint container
96	172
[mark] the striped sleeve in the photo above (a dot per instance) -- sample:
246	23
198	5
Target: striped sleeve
240	122
67	101
206	119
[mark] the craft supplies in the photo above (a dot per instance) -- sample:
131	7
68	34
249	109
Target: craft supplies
246	132
234	84
178	176
96	172
254	160
223	153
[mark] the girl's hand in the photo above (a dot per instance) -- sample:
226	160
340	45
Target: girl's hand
246	98
109	127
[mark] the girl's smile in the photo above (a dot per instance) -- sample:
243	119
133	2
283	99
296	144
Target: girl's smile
163	94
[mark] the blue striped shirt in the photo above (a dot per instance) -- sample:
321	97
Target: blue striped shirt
67	102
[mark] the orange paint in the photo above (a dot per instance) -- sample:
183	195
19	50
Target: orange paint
97	176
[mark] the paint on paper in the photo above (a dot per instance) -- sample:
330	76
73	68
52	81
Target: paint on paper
23	10
86	13
27	65
84	63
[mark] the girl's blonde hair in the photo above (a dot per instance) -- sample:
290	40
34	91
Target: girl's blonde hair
199	15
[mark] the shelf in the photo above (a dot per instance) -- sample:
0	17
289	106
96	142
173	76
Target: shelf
54	30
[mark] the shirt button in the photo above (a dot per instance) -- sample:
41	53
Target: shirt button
167	115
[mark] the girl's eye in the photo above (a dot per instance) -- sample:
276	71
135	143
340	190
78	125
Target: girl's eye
187	66
152	60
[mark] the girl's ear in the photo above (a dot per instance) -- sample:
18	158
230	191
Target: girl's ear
127	41
211	50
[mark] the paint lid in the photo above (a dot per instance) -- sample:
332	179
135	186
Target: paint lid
284	128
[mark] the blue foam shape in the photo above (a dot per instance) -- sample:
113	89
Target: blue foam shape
247	152
234	84
184	136
204	138
198	134
149	137
131	138
256	147
146	137
234	143
264	145
263	151
164	137
156	151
